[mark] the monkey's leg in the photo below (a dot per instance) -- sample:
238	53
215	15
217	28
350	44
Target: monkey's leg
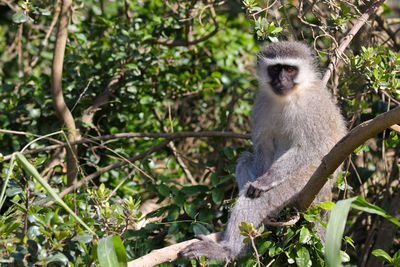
245	169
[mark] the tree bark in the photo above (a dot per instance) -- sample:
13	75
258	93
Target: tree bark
60	107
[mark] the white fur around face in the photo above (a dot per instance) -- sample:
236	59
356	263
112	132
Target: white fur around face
304	78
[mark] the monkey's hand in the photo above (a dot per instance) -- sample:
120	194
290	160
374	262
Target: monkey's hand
206	248
256	188
253	192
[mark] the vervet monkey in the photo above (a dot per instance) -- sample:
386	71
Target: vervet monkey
295	123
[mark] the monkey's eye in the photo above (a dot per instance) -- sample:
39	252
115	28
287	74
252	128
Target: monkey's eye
290	69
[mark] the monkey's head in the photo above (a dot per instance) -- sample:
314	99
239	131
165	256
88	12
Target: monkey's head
286	67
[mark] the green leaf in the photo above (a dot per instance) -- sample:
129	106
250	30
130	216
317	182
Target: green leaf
194	189
361	204
228	152
344	257
303	257
111	252
217	195
41	11
264	246
349	241
305	235
396	258
277	30
163	190
334	232
32	171
173	213
158	212
199	229
381	254
19	17
310	217
327	205
190	209
57	258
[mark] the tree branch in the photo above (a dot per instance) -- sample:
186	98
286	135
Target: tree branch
114	166
102	99
171	136
341	151
168	42
357	26
167	254
160	146
45	39
60	106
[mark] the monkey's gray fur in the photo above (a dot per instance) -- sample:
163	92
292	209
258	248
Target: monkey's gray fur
293	128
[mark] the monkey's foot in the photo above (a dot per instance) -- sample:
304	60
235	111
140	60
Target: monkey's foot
207	248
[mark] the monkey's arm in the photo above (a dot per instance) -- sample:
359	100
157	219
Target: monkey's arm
287	165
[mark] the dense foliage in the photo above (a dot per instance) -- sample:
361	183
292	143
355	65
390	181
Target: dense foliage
139	67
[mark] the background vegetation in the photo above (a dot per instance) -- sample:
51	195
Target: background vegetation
160	93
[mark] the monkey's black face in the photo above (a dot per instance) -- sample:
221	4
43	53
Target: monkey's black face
282	78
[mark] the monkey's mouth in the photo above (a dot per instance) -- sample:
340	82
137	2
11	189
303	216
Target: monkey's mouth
283	88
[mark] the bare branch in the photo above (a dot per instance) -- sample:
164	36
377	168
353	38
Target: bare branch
102	99
128	12
172	145
357	26
60	106
45	39
168	42
140	156
114	166
171	136
29	134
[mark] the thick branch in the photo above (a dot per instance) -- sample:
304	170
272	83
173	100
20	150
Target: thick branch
341	151
60	107
357	26
167	254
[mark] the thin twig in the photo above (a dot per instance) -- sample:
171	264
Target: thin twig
171	136
8	3
114	166
29	134
255	250
44	41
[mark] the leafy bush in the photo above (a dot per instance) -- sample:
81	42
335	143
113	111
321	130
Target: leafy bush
132	71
